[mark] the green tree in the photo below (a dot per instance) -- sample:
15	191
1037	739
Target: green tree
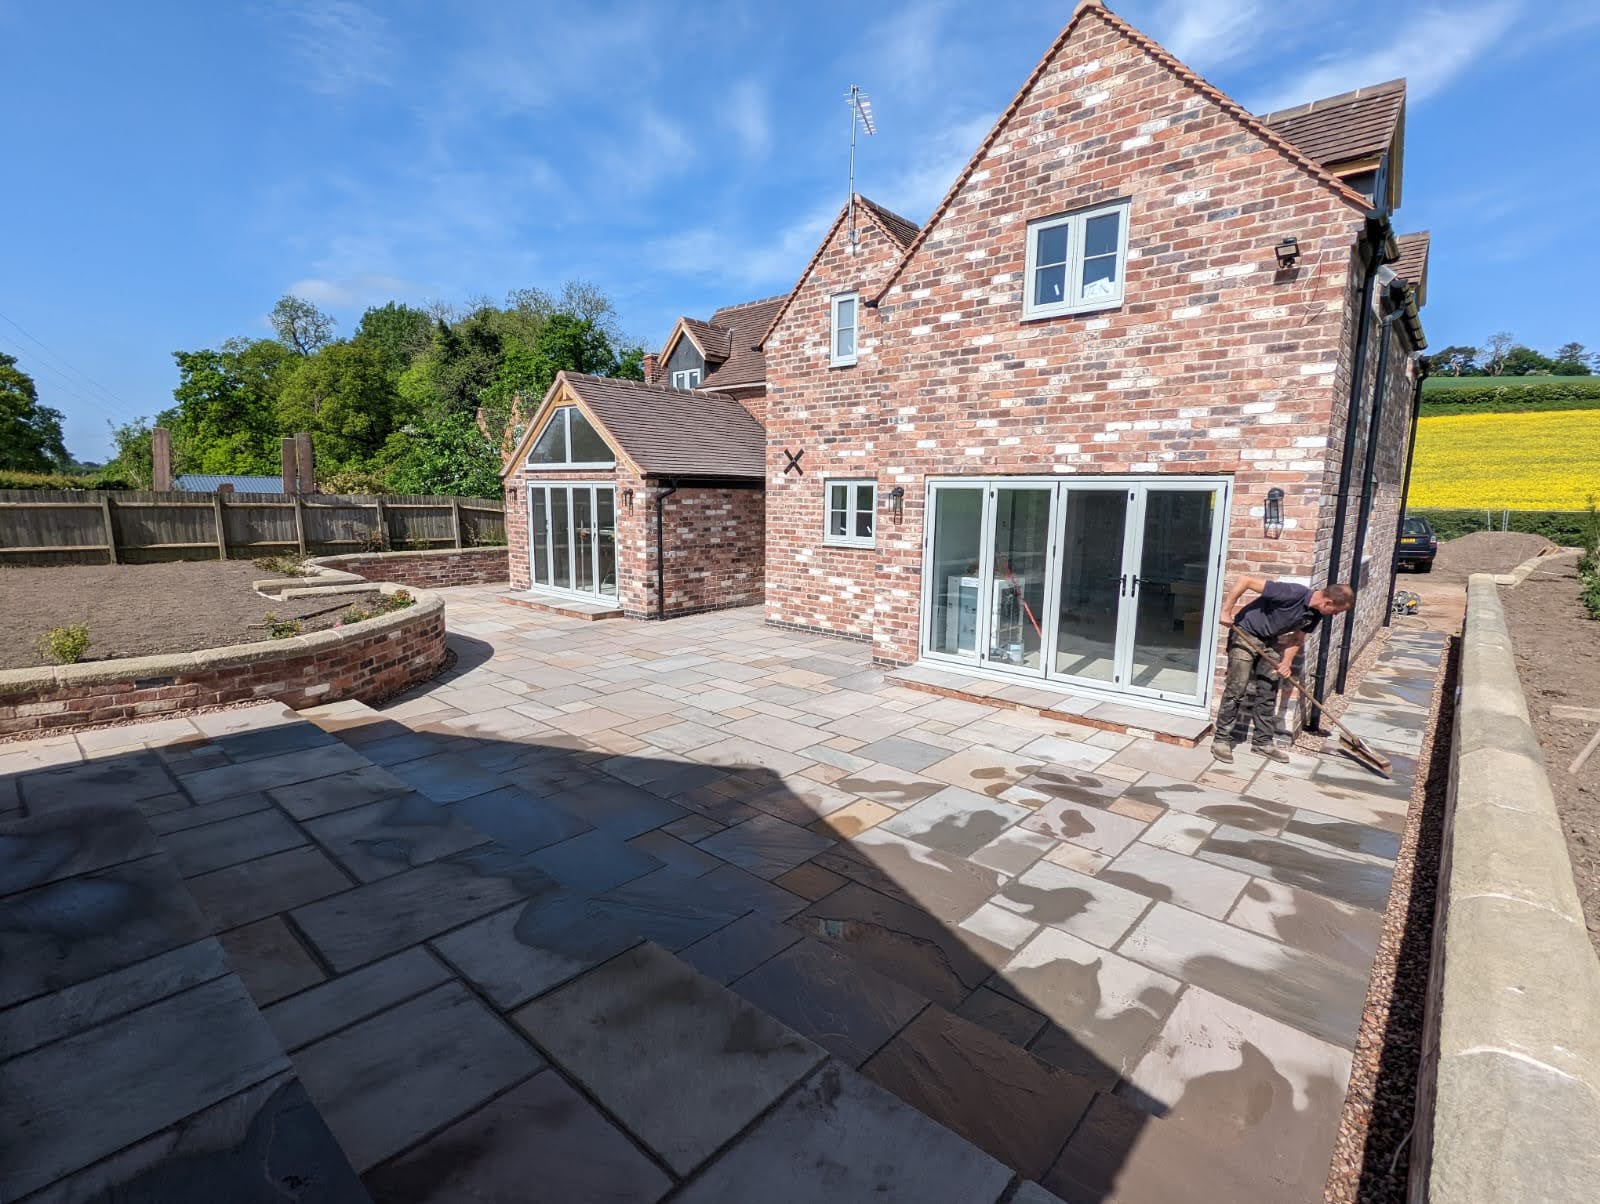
30	433
1525	361
1493	354
346	398
226	417
132	461
1455	360
300	325
442	454
1572	359
399	332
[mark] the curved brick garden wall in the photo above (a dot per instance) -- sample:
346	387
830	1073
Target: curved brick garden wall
425	570
363	661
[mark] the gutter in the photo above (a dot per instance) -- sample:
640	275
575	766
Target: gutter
1405	484
661	561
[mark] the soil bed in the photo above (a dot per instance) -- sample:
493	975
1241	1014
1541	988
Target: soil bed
148	609
1558	659
1485	552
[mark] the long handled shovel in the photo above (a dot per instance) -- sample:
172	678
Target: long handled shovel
1348	740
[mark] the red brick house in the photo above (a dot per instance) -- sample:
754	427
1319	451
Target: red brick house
1142	344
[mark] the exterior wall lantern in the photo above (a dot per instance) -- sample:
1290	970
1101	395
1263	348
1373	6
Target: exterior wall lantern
627	498
897	500
1272	521
1288	253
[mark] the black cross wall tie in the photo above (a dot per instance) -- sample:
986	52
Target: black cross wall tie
794	462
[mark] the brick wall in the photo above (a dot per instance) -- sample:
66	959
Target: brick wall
327	666
1216	363
427	570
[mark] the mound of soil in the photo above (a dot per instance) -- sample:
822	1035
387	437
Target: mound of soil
147	609
1487	552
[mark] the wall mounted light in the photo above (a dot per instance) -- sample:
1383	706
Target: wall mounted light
1288	253
1272	521
627	498
897	499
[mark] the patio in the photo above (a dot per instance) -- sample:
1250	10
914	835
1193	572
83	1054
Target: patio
618	910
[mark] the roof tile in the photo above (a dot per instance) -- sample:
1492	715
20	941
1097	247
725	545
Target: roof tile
674	432
1338	129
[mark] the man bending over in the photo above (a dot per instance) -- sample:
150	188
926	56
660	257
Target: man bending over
1280	617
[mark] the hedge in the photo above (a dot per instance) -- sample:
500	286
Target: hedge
10	479
1571	393
1565	527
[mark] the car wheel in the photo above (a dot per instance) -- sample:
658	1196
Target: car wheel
1424	566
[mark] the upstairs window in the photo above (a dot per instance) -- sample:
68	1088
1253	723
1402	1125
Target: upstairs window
1076	262
689	378
842	336
569	440
852	507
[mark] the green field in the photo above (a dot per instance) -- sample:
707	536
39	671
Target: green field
1438	384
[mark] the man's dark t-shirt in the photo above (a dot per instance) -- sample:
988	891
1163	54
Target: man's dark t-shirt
1279	609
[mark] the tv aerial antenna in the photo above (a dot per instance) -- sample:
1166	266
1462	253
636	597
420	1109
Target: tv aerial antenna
860	119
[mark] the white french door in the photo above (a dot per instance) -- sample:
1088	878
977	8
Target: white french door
572	538
1108	583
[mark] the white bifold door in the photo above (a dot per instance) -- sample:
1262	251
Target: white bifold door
572	539
1108	583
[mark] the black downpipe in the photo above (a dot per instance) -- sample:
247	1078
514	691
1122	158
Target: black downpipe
1371	254
661	560
1405	486
1364	514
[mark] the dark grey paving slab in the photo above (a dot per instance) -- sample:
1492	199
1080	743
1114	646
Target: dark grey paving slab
48	1018
68	841
209	785
902	752
669	909
840	1004
682	1062
594	862
231	841
342	1001
765	846
519	820
113	778
956	820
187	815
338	791
391	1079
159	1064
371	921
270	959
379	839
525	950
70	931
257	889
251	1148
1357	881
539	1143
841	1137
739	947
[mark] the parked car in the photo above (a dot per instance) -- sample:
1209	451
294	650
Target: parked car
1418	544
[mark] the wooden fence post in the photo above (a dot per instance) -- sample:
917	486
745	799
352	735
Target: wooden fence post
222	531
382	525
299	524
455	519
111	530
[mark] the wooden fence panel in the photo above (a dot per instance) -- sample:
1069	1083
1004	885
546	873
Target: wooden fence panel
41	526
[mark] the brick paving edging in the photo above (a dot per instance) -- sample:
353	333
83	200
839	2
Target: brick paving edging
368	660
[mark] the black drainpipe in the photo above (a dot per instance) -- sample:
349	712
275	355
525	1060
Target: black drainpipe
1364	514
1405	485
1371	256
661	560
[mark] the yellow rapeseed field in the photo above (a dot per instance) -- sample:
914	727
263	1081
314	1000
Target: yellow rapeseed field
1541	461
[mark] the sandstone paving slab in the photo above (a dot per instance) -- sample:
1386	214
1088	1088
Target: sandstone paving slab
270	960
446	777
888	786
1076	857
1169	760
68	841
810	881
123	777
39	754
1358	881
1308	992
903	752
272	741
765	846
186	815
1099	912
904	942
681	1061
1352	802
313	1014
230	841
1014	850
367	922
945	886
1343	834
779	733
740	947
1267	1093
872	1146
1002	1015
265	773
1220	806
669	909
161	1063
999	1097
956	820
1326	927
256	889
594	862
676	855
740	891
799	800
999	926
1065	784
983	770
1102	1009
1348	774
617	807
395	1077
1092	827
739	753
338	792
1178	832
851	820
76	929
1158	874
539	1143
383	838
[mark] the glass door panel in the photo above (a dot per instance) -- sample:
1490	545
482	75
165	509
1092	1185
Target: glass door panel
1089	602
539	536
1171	626
956	570
583	539
560	539
606	541
1019	564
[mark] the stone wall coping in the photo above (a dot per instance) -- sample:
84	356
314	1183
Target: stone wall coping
1516	1102
1526	569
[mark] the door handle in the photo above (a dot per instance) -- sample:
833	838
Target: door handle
1135	590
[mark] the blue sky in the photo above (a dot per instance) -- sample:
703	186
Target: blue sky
172	168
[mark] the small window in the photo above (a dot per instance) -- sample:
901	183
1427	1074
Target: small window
842	340
852	512
689	378
1076	262
569	440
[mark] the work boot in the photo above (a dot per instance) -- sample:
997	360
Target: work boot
1273	753
1222	752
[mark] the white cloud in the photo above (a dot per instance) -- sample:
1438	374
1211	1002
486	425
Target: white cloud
712	252
748	115
1208	34
916	188
354	291
342	45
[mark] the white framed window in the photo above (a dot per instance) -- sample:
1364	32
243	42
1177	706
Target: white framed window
689	378
1076	261
852	513
569	440
845	308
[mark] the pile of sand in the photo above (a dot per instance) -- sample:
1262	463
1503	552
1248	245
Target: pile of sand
1487	552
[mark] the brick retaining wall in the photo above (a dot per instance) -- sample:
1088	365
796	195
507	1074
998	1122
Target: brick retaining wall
426	570
365	661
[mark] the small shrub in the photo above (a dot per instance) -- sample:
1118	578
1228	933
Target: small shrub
374	539
399	600
286	564
1589	563
356	614
65	645
281	629
1589	593
106	482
